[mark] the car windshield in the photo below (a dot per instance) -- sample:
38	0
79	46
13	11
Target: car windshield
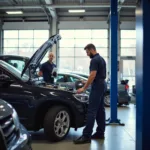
14	71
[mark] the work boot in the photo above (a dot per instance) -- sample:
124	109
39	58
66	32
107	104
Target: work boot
97	136
82	140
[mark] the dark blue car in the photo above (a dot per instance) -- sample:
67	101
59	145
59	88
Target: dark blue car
13	136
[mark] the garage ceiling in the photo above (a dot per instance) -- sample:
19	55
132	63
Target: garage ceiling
46	9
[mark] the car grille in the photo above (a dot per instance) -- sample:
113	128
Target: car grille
8	129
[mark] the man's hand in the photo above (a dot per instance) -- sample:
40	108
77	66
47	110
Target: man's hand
40	73
81	90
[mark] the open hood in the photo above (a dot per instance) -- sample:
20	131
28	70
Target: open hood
37	57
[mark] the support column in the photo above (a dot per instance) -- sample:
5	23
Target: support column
109	52
1	37
53	32
143	75
119	52
114	65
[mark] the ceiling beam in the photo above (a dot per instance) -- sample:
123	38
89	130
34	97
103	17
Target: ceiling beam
26	14
66	14
64	6
44	9
91	13
51	9
120	5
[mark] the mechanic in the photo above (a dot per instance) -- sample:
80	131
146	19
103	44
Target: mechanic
96	109
46	69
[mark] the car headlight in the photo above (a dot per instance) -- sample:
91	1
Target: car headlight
84	98
16	120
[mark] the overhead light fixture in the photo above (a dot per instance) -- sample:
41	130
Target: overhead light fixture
14	12
76	11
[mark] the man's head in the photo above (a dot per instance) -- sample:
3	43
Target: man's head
51	56
90	50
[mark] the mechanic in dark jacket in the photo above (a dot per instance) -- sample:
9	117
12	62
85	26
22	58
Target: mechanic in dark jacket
46	69
96	109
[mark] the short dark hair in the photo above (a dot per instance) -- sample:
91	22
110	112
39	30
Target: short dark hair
90	46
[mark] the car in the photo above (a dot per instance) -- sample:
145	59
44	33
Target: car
39	104
18	62
67	78
13	136
134	90
123	90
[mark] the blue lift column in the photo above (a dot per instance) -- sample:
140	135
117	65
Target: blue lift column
143	75
114	59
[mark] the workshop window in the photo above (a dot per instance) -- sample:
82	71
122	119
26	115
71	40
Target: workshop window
71	54
128	43
23	42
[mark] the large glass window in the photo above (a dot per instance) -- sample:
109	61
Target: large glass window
71	48
23	42
128	43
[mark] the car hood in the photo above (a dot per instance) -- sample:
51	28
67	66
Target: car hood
34	61
5	109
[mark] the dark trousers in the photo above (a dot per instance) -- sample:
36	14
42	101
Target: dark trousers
96	110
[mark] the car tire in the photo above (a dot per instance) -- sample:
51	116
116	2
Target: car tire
57	123
107	100
120	104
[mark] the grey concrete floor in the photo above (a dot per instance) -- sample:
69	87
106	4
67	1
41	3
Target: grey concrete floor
116	137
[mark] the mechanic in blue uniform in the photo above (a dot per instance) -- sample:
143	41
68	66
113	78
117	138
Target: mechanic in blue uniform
47	68
96	109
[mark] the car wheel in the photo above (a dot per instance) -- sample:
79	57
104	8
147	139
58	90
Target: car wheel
107	100
57	123
120	104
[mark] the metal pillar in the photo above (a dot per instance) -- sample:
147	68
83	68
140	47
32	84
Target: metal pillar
143	75
53	31
114	57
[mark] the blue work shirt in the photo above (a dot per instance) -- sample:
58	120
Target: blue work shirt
47	69
98	64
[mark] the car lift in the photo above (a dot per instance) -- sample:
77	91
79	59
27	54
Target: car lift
114	67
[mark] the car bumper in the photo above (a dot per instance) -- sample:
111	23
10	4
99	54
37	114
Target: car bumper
23	142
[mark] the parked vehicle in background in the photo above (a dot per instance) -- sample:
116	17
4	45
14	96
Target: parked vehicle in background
13	136
18	62
134	90
123	91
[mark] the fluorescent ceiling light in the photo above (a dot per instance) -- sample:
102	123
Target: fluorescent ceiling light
14	12
77	11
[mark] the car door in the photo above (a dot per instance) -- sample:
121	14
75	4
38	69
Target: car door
59	78
18	64
15	93
72	78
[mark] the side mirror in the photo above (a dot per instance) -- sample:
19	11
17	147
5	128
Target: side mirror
4	78
79	84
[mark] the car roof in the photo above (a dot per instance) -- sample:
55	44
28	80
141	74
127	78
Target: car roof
14	56
75	75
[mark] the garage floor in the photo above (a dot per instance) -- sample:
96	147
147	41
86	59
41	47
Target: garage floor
117	137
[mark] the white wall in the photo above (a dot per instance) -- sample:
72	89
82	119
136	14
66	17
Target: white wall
126	25
25	25
82	25
65	25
